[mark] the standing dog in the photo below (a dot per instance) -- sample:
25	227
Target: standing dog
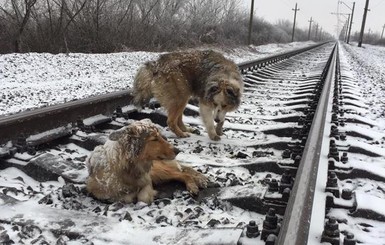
135	157
175	77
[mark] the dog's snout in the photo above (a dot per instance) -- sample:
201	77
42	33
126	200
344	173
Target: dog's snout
217	120
176	151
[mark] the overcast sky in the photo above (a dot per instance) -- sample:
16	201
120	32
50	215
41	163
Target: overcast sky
320	11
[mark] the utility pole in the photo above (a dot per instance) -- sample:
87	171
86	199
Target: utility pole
310	21
351	22
363	23
382	34
316	32
251	21
347	29
295	16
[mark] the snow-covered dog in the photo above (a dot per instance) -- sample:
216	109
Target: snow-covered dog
135	157
205	75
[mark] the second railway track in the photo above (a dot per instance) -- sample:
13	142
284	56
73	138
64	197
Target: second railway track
288	170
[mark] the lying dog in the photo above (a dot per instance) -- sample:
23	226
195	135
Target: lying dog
132	160
175	77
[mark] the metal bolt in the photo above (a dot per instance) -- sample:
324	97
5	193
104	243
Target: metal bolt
273	185
334	117
286	177
332	180
295	134
329	202
271	219
252	229
349	239
79	123
331	233
344	157
21	144
334	132
331	228
119	112
270	240
286	153
31	149
270	224
332	165
346	194
286	194
297	160
303	140
333	152
335	108
342	134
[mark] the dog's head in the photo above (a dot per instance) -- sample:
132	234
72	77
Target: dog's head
142	141
224	94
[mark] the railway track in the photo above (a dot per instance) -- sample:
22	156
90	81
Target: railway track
292	167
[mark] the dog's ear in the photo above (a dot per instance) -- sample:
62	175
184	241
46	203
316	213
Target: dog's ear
213	90
116	135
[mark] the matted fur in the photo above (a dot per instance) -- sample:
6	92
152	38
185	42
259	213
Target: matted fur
175	77
131	160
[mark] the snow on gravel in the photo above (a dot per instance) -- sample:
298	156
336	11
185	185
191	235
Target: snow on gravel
34	80
368	67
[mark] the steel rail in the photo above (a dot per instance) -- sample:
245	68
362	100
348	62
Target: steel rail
258	63
297	218
46	118
42	119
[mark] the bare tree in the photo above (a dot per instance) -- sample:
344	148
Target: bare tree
21	15
116	25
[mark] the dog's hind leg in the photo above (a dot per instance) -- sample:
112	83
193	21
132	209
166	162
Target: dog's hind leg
164	171
183	127
174	120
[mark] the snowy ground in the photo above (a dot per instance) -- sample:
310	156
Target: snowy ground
35	80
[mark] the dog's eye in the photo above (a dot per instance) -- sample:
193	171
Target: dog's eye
213	89
154	139
230	92
224	106
215	104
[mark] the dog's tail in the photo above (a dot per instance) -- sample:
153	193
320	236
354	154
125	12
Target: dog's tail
142	84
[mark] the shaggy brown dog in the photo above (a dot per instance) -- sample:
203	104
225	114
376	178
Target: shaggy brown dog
175	77
135	157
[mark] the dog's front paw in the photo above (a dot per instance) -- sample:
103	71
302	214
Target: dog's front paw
195	131
183	135
219	131
192	188
147	194
214	137
219	128
201	180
